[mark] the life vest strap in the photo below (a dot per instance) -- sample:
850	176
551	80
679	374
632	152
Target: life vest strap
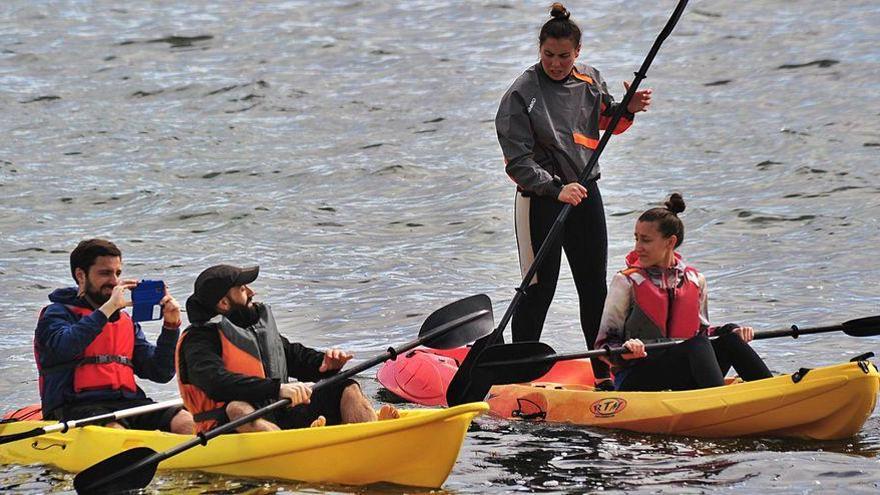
99	359
218	415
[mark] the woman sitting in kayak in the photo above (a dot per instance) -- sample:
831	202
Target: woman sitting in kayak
659	297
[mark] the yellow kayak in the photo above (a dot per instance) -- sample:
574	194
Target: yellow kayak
824	403
419	449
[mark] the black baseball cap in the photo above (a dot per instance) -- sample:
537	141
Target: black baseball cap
211	285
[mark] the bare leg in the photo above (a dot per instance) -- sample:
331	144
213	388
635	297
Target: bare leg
321	421
236	409
183	423
354	407
114	424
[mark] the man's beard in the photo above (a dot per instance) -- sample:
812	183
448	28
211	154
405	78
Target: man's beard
96	295
244	315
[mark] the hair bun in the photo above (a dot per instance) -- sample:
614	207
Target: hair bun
558	11
675	203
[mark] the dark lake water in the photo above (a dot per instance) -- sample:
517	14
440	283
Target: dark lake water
348	147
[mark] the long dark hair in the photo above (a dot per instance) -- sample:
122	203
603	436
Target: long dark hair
560	26
667	219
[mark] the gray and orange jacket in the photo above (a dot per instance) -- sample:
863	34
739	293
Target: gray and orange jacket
218	362
548	129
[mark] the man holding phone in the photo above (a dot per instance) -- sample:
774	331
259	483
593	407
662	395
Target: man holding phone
88	350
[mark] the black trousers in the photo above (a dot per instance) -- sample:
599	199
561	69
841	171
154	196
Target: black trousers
585	242
695	363
325	402
156	420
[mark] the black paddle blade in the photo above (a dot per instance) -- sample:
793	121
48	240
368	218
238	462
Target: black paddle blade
458	391
488	369
496	362
99	478
862	327
470	318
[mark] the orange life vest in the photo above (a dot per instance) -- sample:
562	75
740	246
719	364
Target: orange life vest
255	351
657	314
107	362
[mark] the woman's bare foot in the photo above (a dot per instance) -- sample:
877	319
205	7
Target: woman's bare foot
388	412
321	421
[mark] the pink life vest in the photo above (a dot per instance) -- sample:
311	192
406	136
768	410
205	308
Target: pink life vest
663	313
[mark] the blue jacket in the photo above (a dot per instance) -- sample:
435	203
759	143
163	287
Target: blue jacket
62	336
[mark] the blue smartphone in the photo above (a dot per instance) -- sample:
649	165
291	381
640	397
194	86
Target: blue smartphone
145	299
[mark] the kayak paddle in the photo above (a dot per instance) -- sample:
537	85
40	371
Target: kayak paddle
451	326
101	419
523	362
461	382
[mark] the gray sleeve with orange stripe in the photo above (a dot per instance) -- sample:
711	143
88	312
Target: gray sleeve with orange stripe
609	106
517	140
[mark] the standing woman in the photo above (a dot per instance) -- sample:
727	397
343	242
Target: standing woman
657	297
548	125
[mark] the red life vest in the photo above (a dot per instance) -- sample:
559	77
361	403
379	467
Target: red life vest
208	412
672	313
107	362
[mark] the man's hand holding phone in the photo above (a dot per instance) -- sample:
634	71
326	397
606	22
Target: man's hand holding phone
117	299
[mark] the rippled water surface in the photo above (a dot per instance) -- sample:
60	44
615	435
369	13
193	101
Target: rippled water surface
348	147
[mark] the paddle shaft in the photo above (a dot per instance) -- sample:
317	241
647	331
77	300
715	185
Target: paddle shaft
203	438
793	332
63	426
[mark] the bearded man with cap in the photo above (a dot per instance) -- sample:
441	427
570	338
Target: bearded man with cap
228	366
